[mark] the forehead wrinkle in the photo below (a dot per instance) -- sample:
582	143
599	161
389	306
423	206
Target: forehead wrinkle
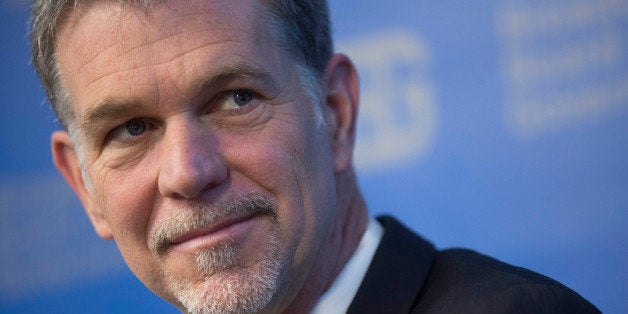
134	67
150	45
83	13
155	40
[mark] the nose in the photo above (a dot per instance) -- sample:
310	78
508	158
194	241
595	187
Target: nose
191	161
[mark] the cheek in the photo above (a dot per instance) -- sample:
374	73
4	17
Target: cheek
293	162
277	158
126	198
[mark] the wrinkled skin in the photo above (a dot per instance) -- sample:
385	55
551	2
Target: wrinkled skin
162	132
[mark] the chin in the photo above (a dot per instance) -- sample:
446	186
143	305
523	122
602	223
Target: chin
223	283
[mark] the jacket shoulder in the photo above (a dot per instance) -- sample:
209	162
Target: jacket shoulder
464	281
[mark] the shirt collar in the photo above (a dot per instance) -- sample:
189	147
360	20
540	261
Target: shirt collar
342	291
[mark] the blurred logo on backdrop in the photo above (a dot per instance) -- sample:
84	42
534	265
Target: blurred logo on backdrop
563	63
398	110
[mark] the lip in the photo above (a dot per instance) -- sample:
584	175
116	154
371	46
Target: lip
213	234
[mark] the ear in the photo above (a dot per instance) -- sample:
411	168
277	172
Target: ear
341	110
66	161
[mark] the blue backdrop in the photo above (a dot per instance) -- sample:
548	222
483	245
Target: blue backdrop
500	126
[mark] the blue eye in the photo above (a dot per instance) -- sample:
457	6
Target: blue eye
130	130
235	99
135	127
242	97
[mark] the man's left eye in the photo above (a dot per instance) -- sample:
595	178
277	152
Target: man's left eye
235	99
130	130
242	97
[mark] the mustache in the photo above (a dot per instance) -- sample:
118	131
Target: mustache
200	215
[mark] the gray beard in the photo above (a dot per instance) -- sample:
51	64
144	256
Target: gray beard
227	285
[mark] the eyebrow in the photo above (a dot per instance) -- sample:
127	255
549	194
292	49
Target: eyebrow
107	109
111	108
240	70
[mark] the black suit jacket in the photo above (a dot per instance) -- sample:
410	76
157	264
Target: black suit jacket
408	275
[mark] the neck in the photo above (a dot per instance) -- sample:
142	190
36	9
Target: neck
350	224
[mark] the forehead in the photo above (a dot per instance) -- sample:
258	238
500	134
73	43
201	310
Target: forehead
126	25
161	17
102	39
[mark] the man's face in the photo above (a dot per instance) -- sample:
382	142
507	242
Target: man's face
205	158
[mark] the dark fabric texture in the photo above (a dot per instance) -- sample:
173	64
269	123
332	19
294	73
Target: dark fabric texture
408	275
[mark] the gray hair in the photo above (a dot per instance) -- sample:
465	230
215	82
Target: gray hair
301	28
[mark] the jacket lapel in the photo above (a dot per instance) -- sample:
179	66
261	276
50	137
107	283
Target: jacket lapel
396	274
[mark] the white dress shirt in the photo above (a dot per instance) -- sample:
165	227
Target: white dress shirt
342	291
